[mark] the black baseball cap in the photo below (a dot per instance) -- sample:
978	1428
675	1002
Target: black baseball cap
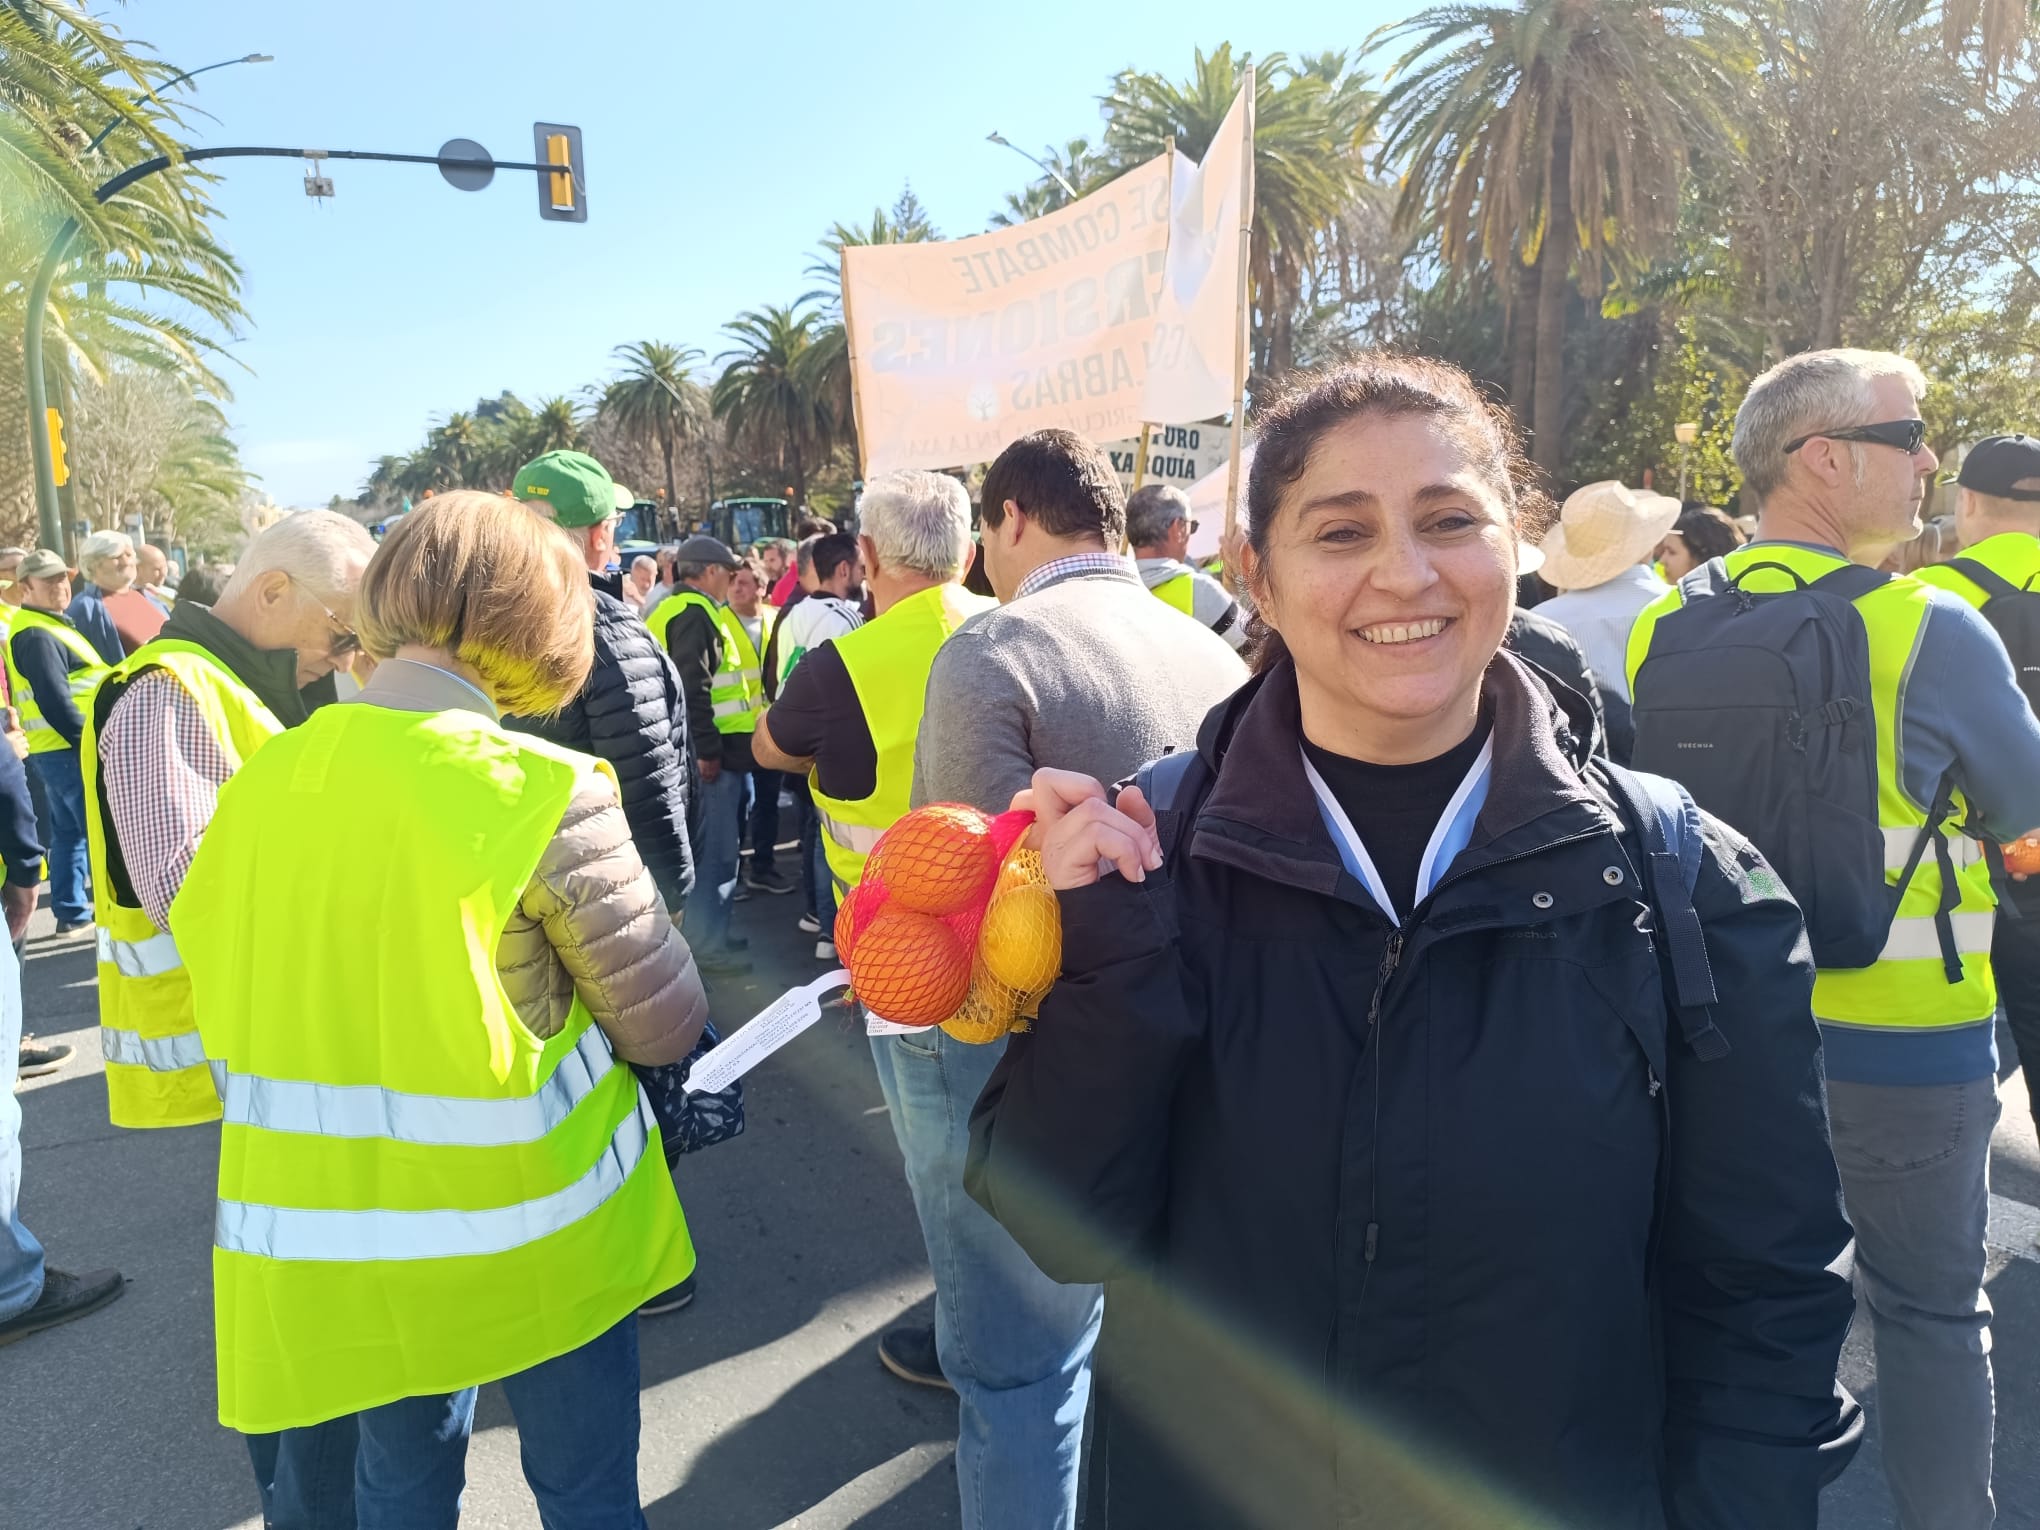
1996	463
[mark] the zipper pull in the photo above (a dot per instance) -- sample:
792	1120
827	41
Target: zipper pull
1655	1083
1390	955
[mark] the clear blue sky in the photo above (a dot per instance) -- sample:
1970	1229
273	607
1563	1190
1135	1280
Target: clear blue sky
721	141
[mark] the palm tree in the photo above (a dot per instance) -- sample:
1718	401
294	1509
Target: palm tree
554	426
826	265
1550	141
658	395
1309	131
766	394
454	449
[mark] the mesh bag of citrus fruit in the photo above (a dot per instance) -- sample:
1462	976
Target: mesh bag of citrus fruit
952	925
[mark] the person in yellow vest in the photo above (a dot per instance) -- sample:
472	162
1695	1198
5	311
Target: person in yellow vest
163	733
51	669
1832	449
722	679
758	810
421	949
1159	525
849	712
1997	519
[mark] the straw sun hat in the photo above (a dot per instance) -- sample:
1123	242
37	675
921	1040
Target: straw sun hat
1603	529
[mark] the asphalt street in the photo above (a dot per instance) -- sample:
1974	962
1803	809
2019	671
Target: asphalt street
764	1403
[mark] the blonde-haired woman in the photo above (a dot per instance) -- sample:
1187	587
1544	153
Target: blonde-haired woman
422	949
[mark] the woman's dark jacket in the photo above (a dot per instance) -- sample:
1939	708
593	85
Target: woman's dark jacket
1444	1230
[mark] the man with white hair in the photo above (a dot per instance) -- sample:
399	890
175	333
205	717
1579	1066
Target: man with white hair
165	731
1864	798
850	713
109	610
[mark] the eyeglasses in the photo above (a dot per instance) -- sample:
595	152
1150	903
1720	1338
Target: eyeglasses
1907	436
348	640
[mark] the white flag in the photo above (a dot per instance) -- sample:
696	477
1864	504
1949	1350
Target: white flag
1198	317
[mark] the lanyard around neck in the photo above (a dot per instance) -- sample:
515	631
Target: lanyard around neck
1361	864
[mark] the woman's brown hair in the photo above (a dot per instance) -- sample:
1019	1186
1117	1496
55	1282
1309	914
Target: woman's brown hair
495	585
1379	385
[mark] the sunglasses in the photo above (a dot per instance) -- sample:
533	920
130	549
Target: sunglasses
347	639
1907	436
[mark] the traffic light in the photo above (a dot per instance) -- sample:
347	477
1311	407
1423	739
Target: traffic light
562	192
60	470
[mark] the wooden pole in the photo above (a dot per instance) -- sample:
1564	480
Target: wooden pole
850	354
1239	413
1140	458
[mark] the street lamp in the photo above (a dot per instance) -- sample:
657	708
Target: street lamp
49	521
1045	168
1685	433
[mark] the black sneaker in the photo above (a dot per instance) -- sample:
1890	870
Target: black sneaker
74	928
723	964
909	1353
767	882
741	893
37	1059
808	924
64	1296
671	1300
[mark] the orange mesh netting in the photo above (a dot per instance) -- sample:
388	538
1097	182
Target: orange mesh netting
951	925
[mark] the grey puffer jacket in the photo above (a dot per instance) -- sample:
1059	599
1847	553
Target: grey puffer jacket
591	922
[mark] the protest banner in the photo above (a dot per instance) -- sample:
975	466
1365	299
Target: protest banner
1082	319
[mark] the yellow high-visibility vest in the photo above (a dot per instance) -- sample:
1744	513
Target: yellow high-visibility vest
43	738
888	659
2014	556
1907	987
1180	592
416	1194
156	1073
737	692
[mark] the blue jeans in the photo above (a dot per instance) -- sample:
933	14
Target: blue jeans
1014	1344
306	1476
809	830
577	1430
706	923
21	1257
764	820
817	859
1915	1162
70	860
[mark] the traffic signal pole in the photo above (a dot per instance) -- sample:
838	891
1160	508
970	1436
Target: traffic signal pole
466	172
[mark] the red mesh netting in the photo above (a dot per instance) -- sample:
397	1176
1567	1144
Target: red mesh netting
951	925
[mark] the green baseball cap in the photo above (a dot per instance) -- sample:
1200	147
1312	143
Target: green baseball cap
578	489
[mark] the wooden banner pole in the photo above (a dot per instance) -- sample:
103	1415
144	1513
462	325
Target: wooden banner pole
1245	325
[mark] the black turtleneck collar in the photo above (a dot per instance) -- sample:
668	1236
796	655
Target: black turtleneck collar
271	673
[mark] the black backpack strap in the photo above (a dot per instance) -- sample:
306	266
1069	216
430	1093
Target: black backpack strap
1951	894
1171	785
1851	581
1666	824
1993	584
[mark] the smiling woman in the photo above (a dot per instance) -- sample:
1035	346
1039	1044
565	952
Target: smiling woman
1416	1201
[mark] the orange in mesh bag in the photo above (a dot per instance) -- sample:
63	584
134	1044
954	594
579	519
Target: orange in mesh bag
951	925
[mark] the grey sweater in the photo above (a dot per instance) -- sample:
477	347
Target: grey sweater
1089	673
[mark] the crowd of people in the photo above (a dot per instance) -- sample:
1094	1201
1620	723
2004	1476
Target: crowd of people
1521	982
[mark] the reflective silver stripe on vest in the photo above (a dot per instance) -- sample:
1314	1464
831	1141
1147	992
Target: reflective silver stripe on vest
35	724
140	958
366	1110
1917	939
1963	851
159	1054
736	708
859	839
289	1232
